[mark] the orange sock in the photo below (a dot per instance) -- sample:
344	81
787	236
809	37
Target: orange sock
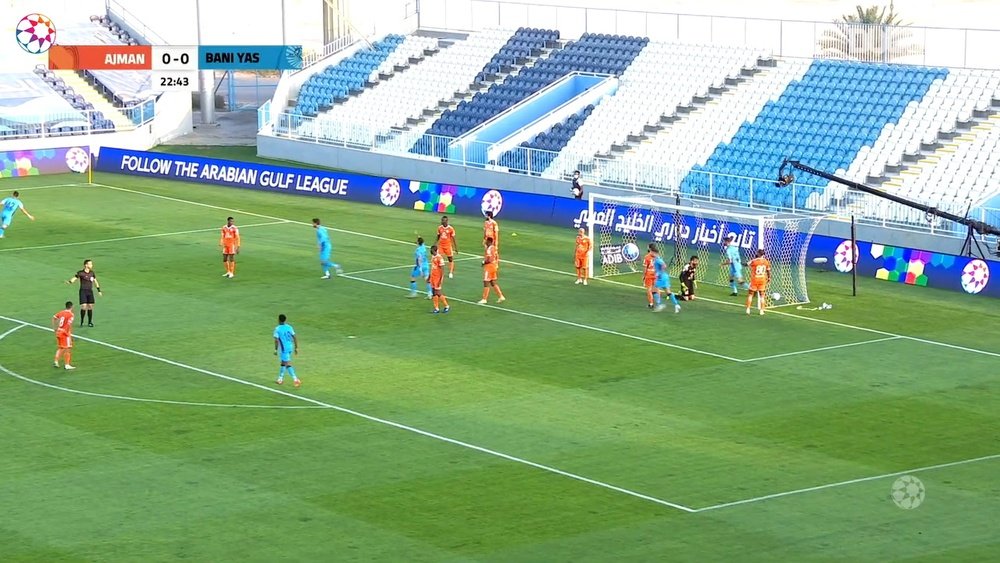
68	356
58	355
444	300
232	267
649	296
499	293
451	267
486	292
749	300
435	299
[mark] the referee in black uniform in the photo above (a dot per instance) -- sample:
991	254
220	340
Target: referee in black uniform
88	283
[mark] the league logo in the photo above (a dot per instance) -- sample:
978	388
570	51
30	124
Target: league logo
35	33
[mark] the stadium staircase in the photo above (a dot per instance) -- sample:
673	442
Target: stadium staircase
592	53
665	81
97	99
549	142
677	142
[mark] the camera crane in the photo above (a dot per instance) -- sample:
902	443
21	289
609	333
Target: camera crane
973	225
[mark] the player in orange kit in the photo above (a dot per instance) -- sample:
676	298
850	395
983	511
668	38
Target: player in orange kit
435	279
62	326
447	244
491	230
490	273
582	258
649	273
230	243
760	276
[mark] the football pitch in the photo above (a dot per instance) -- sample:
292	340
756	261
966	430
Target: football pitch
567	424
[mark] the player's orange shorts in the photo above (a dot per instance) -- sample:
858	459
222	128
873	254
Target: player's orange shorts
229	249
435	282
581	260
758	286
64	340
490	272
648	282
446	249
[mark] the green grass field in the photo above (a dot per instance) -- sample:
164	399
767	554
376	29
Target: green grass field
568	424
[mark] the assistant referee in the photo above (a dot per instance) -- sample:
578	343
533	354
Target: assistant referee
88	283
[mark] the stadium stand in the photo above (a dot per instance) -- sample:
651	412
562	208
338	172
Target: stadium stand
663	78
682	143
390	101
546	145
708	120
593	53
121	88
826	118
30	106
350	75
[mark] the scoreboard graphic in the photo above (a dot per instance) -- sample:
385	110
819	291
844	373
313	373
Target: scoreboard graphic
174	67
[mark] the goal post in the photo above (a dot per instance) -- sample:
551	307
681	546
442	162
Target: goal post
622	226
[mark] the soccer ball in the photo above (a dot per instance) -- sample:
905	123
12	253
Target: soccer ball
630	251
35	33
776	296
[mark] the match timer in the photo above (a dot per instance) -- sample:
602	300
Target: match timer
175	68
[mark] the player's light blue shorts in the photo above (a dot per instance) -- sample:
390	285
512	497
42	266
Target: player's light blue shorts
663	283
324	253
420	272
5	219
735	270
285	356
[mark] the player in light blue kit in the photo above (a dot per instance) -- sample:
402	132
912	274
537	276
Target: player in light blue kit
421	268
325	248
662	283
286	344
8	206
735	262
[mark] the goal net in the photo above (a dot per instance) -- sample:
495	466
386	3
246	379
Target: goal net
622	228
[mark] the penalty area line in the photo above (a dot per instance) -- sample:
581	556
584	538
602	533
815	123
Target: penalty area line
562	322
848	482
823	349
136	237
390	268
371	418
26	379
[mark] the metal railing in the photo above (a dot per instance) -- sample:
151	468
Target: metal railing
312	57
928	46
81	122
628	175
115	10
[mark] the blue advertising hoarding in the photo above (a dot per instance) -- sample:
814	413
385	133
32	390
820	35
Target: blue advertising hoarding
894	264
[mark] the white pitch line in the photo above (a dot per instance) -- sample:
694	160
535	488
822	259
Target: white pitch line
136	237
137	399
848	482
390	268
563	322
823	349
50	187
561	272
371	418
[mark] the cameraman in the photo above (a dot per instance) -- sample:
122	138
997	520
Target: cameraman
577	189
